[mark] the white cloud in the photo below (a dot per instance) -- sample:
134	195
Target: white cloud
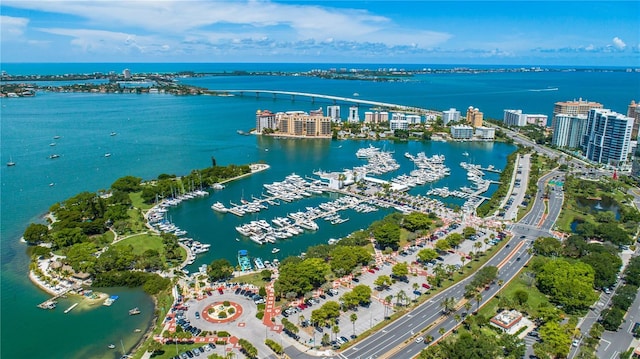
99	41
246	20
12	28
618	43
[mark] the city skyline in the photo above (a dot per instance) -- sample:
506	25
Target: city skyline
411	32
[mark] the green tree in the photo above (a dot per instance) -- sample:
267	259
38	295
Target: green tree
387	234
521	296
127	184
416	221
467	232
400	270
36	233
605	266
427	254
353	317
547	246
568	284
557	339
383	281
219	269
442	245
454	239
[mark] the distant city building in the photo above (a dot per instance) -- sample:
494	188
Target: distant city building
474	117
485	133
514	118
569	130
376	117
633	111
398	124
635	164
126	73
537	120
451	115
574	107
294	123
414	119
333	112
607	139
461	132
265	119
353	114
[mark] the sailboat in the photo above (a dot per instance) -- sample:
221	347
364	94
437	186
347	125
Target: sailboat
10	163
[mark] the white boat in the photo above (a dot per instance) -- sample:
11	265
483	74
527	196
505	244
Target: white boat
465	153
217	186
113	133
10	163
275	250
107	154
219	207
70	308
111	346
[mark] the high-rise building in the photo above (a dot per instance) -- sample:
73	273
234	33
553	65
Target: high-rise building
536	119
265	119
461	132
376	117
451	115
607	139
126	73
514	118
414	119
398	124
333	112
474	117
353	114
485	133
569	130
579	107
633	111
635	164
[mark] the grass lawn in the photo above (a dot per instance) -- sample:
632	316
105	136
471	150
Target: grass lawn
136	220
136	199
253	278
520	283
170	350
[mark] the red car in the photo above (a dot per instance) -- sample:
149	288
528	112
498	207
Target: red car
372	271
220	291
426	286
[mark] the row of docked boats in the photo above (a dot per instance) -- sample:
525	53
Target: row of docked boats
378	162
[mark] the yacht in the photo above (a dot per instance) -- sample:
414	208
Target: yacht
134	311
275	250
113	133
53	156
10	163
107	154
219	207
111	346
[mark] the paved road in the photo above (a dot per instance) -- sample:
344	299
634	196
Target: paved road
613	343
512	257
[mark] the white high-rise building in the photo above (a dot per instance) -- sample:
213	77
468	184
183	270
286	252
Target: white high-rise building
514	118
569	130
353	114
398	124
414	119
333	112
607	139
451	115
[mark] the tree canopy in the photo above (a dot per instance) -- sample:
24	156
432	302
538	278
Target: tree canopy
219	269
569	284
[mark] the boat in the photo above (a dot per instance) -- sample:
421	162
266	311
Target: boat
52	144
113	133
51	184
56	137
111	346
275	250
70	308
465	153
243	260
219	207
110	300
107	154
217	186
134	311
10	163
52	156
259	264
137	330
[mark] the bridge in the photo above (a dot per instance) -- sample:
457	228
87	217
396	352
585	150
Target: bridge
313	96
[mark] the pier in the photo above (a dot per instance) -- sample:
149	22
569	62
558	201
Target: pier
51	303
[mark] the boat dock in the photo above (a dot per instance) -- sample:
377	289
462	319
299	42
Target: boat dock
51	303
70	308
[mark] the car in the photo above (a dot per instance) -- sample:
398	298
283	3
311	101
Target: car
574	343
607	291
201	349
237	291
426	286
417	292
212	346
197	314
323	296
330	294
344	339
518	259
355	279
371	271
419	340
220	290
189	354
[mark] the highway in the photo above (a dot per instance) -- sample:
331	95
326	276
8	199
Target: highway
396	340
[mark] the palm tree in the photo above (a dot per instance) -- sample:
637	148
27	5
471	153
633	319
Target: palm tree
400	296
415	288
467	306
300	319
477	246
478	298
335	330
441	330
353	317
462	259
428	338
448	304
387	302
486	243
500	282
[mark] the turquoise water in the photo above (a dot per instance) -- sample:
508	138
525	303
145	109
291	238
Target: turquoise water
167	134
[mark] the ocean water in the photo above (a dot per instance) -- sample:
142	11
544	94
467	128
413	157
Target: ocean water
169	134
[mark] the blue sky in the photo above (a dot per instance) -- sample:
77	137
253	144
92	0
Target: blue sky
575	33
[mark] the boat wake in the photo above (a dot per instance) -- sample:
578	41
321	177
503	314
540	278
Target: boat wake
542	90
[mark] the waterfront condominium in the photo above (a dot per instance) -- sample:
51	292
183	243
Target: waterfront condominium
633	111
474	117
333	112
517	118
354	117
569	130
301	124
376	117
265	119
461	132
451	115
607	139
579	107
